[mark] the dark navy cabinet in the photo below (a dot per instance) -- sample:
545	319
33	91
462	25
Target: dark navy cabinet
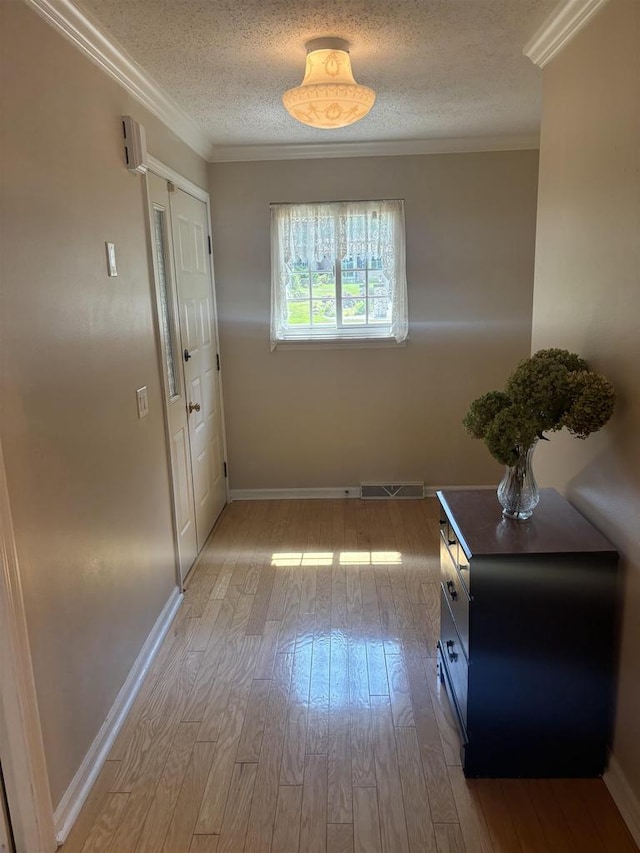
527	636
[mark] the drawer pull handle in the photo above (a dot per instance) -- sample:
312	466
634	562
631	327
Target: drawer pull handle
451	541
443	521
453	656
452	590
463	568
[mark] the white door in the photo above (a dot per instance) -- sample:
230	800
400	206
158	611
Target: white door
187	326
175	398
200	357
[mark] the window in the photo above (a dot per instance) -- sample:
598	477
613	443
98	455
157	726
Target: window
338	271
166	319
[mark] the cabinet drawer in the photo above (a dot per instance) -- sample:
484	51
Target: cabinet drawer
457	597
454	657
457	557
449	538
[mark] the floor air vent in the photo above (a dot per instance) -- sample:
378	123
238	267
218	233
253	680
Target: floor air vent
373	491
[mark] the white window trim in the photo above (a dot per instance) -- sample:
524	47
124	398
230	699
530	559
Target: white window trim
341	343
393	333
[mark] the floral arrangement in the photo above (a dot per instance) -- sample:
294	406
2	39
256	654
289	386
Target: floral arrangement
551	390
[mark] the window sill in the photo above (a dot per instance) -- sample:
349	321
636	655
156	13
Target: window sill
341	343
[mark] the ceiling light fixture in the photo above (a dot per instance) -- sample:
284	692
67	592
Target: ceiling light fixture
328	97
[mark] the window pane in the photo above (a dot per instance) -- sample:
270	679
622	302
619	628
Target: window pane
379	311
378	283
166	329
298	286
354	312
324	312
354	283
359	261
325	264
299	313
377	277
323	283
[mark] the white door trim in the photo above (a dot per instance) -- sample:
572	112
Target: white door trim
23	759
162	365
163	171
167	173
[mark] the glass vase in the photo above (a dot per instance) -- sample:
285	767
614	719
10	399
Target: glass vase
518	491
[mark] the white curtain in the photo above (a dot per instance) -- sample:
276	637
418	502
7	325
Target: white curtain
322	233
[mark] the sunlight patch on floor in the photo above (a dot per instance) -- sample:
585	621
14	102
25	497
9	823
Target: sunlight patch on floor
344	558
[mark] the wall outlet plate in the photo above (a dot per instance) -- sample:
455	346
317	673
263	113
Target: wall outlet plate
111	259
143	402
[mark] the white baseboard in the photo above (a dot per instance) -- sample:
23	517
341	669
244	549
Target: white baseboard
74	797
430	491
624	797
326	493
293	494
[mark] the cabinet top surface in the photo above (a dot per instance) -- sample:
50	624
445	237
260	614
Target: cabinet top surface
556	526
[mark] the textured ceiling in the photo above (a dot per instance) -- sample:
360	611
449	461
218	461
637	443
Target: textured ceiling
442	69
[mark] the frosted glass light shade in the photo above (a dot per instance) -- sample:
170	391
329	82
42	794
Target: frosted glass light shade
328	97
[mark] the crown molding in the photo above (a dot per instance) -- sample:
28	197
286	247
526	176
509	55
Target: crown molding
79	29
321	150
74	25
560	27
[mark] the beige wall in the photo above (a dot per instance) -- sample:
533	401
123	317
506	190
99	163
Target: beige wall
88	481
587	296
322	418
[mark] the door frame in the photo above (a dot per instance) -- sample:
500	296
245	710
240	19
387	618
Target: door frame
161	170
21	746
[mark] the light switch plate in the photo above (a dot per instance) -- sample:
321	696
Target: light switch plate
143	402
111	259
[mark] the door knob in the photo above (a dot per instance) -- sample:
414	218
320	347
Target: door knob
453	656
451	587
194	407
187	355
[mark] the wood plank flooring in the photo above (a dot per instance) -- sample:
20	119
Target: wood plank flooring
294	706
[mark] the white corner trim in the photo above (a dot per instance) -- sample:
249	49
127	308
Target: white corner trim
560	27
23	758
293	494
314	151
81	784
624	797
67	18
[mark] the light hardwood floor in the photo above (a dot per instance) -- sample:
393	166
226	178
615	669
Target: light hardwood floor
294	706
